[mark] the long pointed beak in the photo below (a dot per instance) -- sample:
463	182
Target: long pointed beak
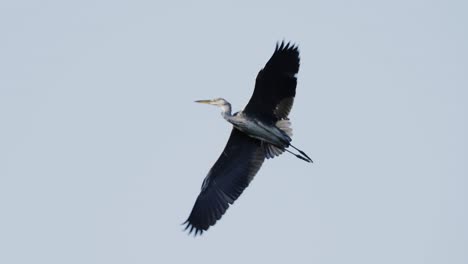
203	101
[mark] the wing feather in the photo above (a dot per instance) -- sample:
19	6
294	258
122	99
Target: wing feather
230	175
275	86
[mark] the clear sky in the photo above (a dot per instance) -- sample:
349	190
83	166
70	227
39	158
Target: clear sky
103	152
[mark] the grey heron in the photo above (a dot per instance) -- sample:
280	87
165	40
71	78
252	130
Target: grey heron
262	130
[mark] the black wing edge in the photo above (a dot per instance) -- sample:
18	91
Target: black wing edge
289	52
276	81
220	203
284	46
226	181
198	231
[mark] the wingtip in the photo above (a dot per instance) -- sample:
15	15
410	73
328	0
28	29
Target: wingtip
283	45
196	231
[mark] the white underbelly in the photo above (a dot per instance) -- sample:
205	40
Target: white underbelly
258	130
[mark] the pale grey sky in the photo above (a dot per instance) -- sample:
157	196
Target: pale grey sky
103	152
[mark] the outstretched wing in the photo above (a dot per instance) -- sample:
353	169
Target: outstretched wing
275	86
230	175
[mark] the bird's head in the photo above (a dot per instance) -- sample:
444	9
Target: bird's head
218	102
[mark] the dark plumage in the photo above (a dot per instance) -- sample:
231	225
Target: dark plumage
257	134
230	175
275	83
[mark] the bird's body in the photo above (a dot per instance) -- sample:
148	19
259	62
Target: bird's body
262	130
268	133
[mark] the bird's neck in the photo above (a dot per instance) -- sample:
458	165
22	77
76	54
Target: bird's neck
226	111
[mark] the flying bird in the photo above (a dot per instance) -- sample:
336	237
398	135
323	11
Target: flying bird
262	130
